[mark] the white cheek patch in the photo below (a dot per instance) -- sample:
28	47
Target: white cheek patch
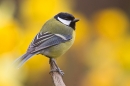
66	22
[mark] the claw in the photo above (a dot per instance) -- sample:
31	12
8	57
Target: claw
60	72
57	70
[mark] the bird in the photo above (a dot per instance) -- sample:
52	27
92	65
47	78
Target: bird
55	37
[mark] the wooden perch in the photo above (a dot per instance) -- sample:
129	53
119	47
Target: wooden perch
56	76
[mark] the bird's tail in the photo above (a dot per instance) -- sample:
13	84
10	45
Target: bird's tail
21	60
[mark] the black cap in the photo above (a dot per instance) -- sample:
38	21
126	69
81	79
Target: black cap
65	16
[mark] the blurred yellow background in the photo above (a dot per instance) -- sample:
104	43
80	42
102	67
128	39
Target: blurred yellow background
100	55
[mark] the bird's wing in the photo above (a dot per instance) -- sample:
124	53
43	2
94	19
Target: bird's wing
45	40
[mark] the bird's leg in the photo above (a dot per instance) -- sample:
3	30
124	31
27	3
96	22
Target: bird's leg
54	67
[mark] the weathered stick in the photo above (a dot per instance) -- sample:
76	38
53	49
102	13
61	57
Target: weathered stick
56	76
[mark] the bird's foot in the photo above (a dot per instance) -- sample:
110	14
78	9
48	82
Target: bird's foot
57	70
54	67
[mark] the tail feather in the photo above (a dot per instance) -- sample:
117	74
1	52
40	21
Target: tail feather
21	60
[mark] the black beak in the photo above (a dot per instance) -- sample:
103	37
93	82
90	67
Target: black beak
75	20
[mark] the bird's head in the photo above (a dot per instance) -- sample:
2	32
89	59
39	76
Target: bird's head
67	19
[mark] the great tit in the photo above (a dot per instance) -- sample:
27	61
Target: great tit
54	39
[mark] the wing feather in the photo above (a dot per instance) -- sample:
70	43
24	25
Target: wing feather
45	40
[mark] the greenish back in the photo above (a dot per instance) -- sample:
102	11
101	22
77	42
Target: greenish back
54	26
